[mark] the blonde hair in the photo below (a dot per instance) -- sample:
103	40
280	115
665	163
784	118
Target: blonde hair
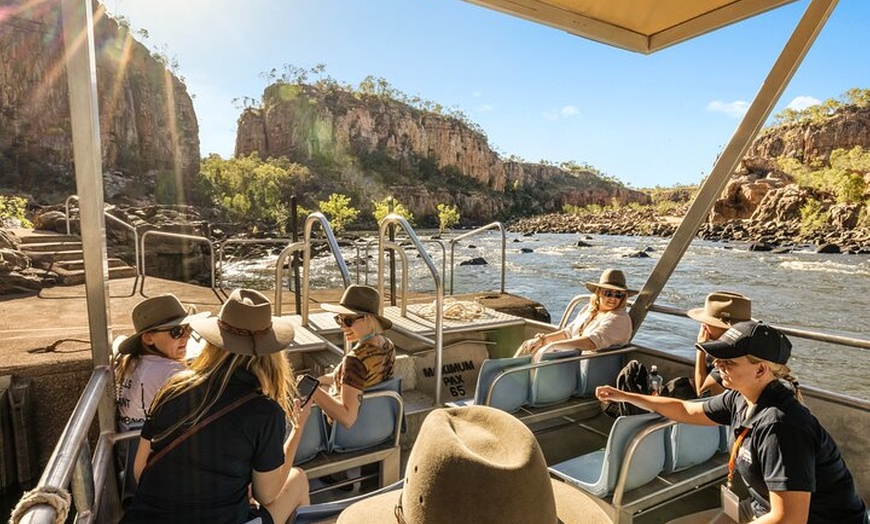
780	372
212	371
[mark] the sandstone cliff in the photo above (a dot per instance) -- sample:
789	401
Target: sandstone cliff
147	121
421	157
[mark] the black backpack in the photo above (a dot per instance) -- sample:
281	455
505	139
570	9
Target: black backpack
633	378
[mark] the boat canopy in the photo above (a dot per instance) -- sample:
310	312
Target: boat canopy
644	26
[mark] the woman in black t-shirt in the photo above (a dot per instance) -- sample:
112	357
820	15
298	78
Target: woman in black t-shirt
790	464
215	435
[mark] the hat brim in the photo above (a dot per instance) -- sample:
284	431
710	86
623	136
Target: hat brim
700	315
572	507
342	310
127	345
594	286
276	338
721	349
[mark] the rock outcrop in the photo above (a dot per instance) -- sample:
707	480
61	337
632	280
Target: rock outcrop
147	121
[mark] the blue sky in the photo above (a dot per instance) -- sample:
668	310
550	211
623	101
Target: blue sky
538	93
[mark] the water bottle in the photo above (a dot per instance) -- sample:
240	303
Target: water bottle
655	380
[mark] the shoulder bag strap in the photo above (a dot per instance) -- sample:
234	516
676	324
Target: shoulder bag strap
196	427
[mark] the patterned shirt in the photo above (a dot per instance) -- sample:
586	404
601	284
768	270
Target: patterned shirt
366	365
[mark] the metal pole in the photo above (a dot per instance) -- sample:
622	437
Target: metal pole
783	69
391	203
294	226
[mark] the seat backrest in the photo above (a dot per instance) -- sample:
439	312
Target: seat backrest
649	456
687	445
597	371
554	384
314	437
510	392
326	511
379	419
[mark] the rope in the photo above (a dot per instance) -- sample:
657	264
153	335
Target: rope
57	498
464	310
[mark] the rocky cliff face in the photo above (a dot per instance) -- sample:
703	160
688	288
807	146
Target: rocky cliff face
147	120
307	124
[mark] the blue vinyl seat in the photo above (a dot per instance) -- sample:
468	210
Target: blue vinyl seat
380	418
597	371
554	384
510	393
687	445
597	472
314	437
328	510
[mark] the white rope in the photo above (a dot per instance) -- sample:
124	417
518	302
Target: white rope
464	310
57	498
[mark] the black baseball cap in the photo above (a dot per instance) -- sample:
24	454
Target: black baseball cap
750	338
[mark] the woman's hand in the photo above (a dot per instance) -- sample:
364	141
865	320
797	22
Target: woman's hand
609	394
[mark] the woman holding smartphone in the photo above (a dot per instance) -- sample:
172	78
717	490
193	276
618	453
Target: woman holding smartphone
219	428
368	363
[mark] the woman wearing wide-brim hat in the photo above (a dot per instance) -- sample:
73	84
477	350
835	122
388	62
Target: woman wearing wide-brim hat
219	428
145	360
369	362
600	324
721	310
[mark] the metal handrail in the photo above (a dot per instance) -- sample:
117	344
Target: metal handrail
114	219
477	231
403	308
313	218
631	449
439	243
220	259
181	236
65	463
394	219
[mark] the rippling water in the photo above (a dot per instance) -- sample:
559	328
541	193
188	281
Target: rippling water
827	293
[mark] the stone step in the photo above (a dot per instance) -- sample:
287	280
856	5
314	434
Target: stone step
43	247
77	276
73	265
30	236
47	258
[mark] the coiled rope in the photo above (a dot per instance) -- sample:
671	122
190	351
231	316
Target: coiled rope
58	498
464	310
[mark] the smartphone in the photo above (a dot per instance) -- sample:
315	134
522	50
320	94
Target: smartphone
306	386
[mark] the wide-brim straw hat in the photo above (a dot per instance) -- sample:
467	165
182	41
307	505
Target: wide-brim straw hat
476	464
611	279
723	309
245	326
360	300
160	312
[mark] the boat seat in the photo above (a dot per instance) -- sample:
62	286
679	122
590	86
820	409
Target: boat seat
598	472
687	445
509	393
314	437
376	423
326	511
599	370
555	383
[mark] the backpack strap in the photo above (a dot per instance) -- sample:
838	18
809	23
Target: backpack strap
191	431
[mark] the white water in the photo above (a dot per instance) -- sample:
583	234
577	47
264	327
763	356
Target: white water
827	293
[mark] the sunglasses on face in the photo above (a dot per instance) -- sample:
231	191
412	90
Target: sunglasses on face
613	294
175	332
346	321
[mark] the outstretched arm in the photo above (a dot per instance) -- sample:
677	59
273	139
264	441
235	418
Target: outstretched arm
672	408
704	382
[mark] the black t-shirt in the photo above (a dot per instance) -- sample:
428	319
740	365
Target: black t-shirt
787	449
206	477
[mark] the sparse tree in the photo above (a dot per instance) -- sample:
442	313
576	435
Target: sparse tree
448	216
391	205
339	211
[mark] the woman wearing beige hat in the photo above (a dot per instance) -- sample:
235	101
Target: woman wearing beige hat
370	360
218	429
721	310
602	323
144	361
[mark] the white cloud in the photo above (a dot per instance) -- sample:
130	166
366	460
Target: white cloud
564	112
485	108
734	109
550	115
477	94
802	102
570	111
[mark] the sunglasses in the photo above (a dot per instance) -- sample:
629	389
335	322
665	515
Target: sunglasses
346	321
175	332
613	294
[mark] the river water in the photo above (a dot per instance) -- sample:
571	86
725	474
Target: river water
804	290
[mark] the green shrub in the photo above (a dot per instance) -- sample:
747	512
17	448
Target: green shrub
814	217
339	211
391	205
15	208
448	216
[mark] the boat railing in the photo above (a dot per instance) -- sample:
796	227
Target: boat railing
305	247
114	219
384	244
793	332
71	465
180	236
437	242
474	232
